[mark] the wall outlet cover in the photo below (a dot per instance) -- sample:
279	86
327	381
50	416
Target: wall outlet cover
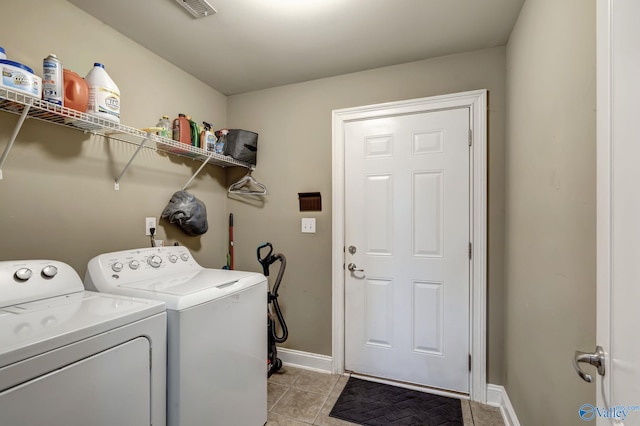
150	222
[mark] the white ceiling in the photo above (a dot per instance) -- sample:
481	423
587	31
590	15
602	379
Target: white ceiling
256	44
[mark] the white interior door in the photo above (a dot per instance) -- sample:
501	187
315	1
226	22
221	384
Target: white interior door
407	234
618	391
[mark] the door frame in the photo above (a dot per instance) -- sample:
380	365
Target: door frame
604	121
476	101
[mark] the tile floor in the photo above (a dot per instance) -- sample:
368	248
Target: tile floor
300	397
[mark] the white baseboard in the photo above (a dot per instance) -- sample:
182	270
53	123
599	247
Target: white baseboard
306	360
497	397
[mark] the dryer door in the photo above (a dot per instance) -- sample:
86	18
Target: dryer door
109	388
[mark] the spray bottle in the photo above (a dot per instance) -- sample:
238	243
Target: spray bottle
222	139
207	138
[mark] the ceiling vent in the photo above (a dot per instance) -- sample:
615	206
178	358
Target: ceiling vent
198	8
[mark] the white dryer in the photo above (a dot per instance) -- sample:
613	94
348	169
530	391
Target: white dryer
70	357
216	331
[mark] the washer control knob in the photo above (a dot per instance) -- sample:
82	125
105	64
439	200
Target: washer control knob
134	264
184	256
173	258
155	261
23	274
49	271
117	267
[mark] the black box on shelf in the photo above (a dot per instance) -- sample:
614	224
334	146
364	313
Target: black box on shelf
242	145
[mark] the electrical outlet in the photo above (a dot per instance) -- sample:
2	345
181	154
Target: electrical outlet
309	225
149	222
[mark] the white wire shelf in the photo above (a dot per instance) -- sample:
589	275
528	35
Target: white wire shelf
30	107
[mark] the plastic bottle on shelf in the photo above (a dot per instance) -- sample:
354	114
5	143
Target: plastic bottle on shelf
166	129
104	95
222	140
195	132
76	91
181	130
208	138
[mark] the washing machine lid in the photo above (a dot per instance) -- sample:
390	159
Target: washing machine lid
187	289
34	328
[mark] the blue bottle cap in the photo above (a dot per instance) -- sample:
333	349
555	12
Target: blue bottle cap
98	64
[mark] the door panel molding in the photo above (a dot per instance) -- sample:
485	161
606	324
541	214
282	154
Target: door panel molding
477	102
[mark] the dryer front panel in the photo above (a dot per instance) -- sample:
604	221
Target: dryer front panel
112	387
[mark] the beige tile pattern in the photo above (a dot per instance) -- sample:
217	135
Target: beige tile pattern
300	405
274	393
300	397
484	415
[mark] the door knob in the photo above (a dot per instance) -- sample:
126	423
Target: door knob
352	267
596	359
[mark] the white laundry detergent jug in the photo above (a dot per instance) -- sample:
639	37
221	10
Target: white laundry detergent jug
104	95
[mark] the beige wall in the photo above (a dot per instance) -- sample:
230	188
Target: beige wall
550	208
58	199
57	195
294	123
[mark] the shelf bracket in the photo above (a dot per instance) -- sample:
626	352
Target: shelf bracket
13	137
117	185
204	163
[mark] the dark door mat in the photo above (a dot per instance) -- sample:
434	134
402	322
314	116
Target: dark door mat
370	403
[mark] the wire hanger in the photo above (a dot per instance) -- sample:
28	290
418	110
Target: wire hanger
247	185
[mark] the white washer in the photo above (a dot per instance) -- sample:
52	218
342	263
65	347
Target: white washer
216	331
72	357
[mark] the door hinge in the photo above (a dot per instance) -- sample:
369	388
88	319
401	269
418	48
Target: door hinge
469	362
470	251
470	137
150	359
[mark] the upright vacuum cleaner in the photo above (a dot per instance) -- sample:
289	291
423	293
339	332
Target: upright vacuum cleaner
273	312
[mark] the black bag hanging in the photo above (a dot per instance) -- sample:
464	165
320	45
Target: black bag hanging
188	212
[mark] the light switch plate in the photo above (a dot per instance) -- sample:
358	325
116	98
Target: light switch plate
309	225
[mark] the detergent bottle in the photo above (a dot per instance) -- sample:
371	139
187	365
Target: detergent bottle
194	132
181	129
104	95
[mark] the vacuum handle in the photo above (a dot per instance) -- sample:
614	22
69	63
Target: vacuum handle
264	261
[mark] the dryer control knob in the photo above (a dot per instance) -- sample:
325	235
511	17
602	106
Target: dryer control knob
184	256
173	258
134	264
117	267
49	271
23	274
155	261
